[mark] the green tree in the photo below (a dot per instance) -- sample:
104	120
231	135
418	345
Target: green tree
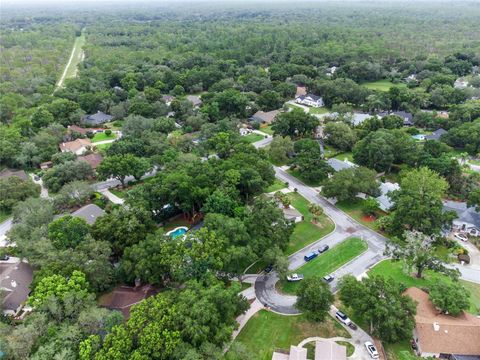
295	123
41	118
418	203
380	303
14	190
450	298
68	231
418	252
121	166
316	211
314	298
73	194
340	135
280	148
346	184
269	100
474	199
67	172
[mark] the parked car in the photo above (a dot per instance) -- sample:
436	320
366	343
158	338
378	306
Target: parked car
4	257
461	237
352	326
310	256
328	278
372	350
323	248
342	318
294	277
268	268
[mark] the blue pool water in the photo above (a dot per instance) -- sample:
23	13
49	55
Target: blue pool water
178	232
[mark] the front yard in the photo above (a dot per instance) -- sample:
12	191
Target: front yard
267	331
251	138
102	137
356	210
326	263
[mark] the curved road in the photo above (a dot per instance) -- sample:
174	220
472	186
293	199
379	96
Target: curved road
345	227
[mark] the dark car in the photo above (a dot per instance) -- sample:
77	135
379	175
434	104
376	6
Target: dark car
269	268
4	257
328	278
310	256
323	248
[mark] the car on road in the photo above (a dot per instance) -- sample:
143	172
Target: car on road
372	350
4	257
328	278
342	318
310	256
323	248
461	237
294	277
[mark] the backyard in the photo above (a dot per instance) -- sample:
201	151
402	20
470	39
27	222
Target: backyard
102	136
327	262
267	331
277	185
253	137
381	85
306	232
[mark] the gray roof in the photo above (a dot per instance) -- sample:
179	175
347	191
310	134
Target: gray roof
330	350
7	173
465	214
436	135
384	201
89	213
406	116
15	279
311	96
338	165
195	100
97	119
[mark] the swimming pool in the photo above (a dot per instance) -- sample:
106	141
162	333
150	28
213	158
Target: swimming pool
179	231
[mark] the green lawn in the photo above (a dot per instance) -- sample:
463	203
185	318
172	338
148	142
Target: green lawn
4	216
103	146
346	155
355	210
380	85
277	185
120	193
306	232
102	137
321	110
400	351
71	70
395	271
327	262
267	129
251	138
267	331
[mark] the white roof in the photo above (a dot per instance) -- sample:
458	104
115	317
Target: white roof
384	201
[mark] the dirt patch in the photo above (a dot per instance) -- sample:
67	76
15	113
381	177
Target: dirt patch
368	218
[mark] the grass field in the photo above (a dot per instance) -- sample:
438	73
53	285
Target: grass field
102	137
327	262
267	129
267	331
297	174
103	146
380	85
119	193
346	155
306	232
71	68
355	210
277	185
251	138
395	271
321	110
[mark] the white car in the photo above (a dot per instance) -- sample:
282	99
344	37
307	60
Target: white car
372	350
342	318
460	236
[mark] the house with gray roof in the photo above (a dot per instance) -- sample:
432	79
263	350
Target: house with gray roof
384	201
15	280
406	116
195	100
8	173
338	165
97	119
89	213
263	117
468	219
436	135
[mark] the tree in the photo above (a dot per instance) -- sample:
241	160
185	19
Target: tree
295	123
269	100
310	163
67	172
450	298
68	231
73	194
347	183
314	298
418	253
284	199
41	118
121	166
280	148
370	206
418	204
316	211
380	303
123	227
474	199
340	135
14	190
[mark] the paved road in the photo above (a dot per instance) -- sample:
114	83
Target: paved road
345	227
264	142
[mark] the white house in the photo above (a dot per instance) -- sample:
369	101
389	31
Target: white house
310	100
78	147
384	201
467	221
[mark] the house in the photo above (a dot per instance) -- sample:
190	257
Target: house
7	173
301	91
324	350
122	298
443	115
406	116
262	117
195	100
468	219
310	100
291	213
46	165
89	213
168	99
15	280
244	131
331	71
384	201
338	165
411	77
460	84
92	159
359	118
83	131
436	135
445	336
78	146
97	119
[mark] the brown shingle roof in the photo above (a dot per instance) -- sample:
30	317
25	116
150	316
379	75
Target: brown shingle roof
450	335
265	117
78	129
15	279
124	297
92	159
7	173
